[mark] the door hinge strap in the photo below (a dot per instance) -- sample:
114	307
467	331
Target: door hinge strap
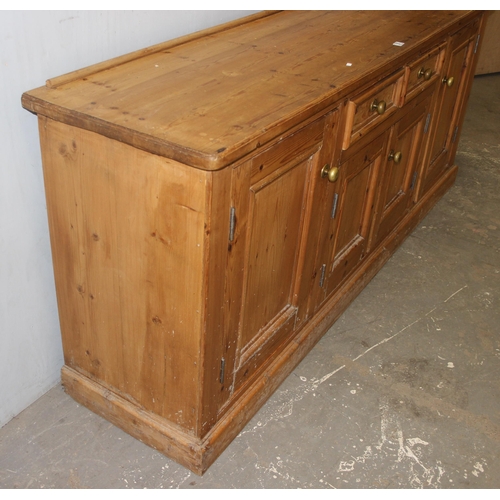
414	180
477	43
334	207
232	223
322	277
222	370
427	122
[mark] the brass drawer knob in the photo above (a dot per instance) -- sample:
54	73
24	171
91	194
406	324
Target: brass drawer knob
448	81
331	173
425	73
395	157
378	106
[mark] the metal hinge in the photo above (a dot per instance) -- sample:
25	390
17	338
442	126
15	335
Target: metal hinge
427	122
455	134
323	273
477	43
414	180
334	208
222	370
232	223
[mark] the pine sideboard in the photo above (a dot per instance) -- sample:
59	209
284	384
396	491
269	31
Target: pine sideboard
217	201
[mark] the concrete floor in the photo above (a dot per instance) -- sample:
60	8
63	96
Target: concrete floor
402	392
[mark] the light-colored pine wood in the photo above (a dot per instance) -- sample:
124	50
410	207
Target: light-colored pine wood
198	454
270	198
399	179
415	81
127	231
199	250
362	117
213	394
138	54
207	104
349	230
450	103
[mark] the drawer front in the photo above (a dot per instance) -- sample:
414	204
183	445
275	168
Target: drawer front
423	72
367	110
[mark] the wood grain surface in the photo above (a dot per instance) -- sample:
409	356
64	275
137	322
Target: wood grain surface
211	100
215	204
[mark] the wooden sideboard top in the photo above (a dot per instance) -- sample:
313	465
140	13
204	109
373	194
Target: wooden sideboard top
209	100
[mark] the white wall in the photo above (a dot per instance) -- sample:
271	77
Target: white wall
35	46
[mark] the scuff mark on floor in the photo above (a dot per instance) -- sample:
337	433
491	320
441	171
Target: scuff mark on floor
453	294
387	339
395	452
409	457
277	470
478	468
183	480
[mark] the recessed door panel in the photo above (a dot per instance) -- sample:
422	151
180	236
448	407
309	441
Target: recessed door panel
274	228
398	175
271	211
348	216
449	107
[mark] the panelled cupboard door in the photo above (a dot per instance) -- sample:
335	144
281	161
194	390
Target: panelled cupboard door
398	178
269	221
450	101
348	216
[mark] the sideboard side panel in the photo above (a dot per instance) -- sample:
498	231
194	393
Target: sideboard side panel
127	236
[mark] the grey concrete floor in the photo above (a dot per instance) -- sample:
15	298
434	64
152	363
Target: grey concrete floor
402	392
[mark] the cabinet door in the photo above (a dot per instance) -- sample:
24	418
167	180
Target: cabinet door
347	218
400	168
270	219
450	104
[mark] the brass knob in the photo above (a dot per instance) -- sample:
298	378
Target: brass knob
448	81
378	106
331	173
425	73
396	157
